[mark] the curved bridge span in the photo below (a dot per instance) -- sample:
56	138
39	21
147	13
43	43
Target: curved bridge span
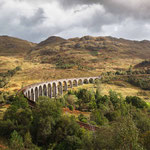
55	88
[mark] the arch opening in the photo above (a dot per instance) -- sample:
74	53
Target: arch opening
36	93
65	86
70	84
75	83
91	80
54	90
49	91
44	90
80	82
29	95
32	95
85	81
60	89
40	91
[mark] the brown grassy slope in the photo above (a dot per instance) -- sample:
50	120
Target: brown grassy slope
87	56
91	52
10	46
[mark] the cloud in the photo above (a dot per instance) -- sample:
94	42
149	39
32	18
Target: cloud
35	20
134	8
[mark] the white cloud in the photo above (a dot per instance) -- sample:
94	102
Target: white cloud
36	20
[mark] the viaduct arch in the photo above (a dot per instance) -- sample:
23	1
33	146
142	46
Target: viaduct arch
54	88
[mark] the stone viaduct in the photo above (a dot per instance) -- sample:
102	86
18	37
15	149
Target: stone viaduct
54	88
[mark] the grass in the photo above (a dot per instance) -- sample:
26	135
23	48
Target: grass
34	72
111	54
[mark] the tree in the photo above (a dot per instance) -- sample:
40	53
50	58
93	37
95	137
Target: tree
141	120
82	118
88	140
115	98
125	134
6	128
85	95
114	115
98	117
71	99
19	114
136	101
16	141
45	115
103	139
28	142
98	95
67	134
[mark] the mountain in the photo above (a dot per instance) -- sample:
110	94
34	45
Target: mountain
57	58
81	53
14	46
52	40
90	52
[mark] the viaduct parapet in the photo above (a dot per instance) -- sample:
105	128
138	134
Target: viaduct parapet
55	88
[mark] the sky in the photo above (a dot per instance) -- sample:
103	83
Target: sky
36	20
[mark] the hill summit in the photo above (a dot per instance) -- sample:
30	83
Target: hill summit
52	40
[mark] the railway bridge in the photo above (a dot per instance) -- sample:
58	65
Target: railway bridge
54	88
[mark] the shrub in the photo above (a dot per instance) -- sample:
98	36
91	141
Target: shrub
136	101
6	128
112	116
16	141
82	118
141	120
20	114
85	95
70	107
115	98
71	99
98	117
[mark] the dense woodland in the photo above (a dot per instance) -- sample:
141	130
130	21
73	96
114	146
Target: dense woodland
122	123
